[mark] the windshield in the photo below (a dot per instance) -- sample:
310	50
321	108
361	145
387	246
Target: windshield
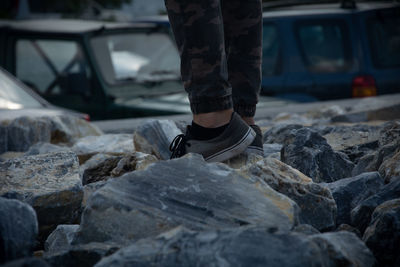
137	57
13	96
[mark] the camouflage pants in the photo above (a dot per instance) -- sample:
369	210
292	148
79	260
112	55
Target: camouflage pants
220	44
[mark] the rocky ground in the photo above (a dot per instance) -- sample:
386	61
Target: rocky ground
326	193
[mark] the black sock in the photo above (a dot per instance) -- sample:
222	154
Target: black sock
202	133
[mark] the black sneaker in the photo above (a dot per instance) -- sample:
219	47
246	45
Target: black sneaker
234	140
256	147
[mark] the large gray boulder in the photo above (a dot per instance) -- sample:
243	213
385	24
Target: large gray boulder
155	136
307	151
383	234
317	206
349	192
23	132
113	144
243	247
361	214
18	229
186	191
50	183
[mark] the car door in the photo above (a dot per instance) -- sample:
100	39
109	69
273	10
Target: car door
57	69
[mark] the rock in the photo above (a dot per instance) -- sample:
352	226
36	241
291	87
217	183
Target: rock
390	168
272	150
27	262
67	129
361	214
89	189
344	137
44	148
18	229
50	183
349	228
389	146
23	132
278	133
115	166
317	206
305	229
242	247
81	255
100	172
155	136
61	238
113	144
185	191
293	118
383	234
134	162
349	192
243	159
307	151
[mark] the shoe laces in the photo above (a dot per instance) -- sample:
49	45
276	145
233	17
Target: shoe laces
177	146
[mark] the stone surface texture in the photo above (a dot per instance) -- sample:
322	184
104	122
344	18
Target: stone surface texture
61	238
50	183
155	136
243	247
307	151
349	192
18	229
311	197
361	214
185	191
383	234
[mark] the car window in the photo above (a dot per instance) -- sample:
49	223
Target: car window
136	56
384	35
271	64
52	67
324	45
13	96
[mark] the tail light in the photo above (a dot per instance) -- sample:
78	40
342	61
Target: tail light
364	86
86	117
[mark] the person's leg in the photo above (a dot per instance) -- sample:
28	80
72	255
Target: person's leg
216	132
199	34
243	45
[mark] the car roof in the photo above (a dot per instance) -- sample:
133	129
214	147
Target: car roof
69	25
323	9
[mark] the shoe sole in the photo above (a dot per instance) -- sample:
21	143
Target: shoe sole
233	150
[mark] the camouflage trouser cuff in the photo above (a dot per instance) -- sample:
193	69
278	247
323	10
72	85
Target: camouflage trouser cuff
210	104
245	110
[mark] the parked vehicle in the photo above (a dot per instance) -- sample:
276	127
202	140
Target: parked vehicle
108	70
321	50
16	97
